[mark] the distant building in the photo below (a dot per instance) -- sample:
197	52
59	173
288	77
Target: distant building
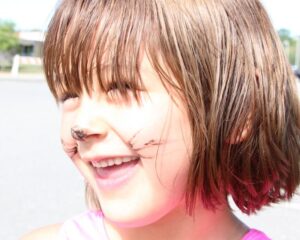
31	43
31	47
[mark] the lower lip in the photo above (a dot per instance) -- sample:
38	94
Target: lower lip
115	176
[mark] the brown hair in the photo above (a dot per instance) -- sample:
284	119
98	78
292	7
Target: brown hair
231	71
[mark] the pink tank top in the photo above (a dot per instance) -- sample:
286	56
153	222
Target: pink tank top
89	226
254	234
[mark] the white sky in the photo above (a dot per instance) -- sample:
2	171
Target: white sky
28	14
284	14
35	14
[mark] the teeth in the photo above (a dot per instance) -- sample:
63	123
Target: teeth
127	159
112	162
103	164
118	161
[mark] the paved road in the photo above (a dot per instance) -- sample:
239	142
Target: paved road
38	185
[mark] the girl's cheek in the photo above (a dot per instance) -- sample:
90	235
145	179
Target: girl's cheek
142	124
65	128
68	110
68	143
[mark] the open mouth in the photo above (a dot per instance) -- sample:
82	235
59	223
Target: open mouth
112	172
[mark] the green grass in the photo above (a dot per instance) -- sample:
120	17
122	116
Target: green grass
23	69
30	69
5	69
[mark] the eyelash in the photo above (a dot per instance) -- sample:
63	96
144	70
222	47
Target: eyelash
113	91
67	96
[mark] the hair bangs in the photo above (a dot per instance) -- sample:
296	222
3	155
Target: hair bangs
96	41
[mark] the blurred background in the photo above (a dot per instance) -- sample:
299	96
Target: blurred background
38	184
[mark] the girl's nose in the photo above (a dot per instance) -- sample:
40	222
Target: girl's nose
78	133
90	122
85	133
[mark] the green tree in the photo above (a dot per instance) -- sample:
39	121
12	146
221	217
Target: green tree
289	44
8	36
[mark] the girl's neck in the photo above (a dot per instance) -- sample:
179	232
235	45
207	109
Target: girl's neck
206	224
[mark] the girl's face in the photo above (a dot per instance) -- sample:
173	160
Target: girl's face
148	144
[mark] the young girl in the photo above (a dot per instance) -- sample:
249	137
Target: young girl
169	107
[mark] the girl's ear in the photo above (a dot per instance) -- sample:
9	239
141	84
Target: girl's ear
239	135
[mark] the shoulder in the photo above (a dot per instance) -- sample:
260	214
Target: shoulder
45	233
83	226
88	225
88	218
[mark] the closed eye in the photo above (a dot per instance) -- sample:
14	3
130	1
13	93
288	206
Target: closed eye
68	101
118	91
120	86
65	96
